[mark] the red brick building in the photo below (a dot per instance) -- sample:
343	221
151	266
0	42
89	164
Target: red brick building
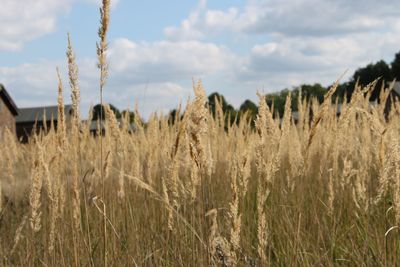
8	111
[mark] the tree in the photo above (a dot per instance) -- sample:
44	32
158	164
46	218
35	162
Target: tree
341	91
395	67
98	109
277	101
370	73
172	116
131	115
249	107
315	90
226	108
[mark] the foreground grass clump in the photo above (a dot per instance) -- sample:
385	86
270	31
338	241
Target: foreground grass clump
322	191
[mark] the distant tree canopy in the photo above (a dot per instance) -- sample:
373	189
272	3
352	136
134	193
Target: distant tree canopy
172	116
395	67
98	109
250	107
277	100
226	108
368	74
129	113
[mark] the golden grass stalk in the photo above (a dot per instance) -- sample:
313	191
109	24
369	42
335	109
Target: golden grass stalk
61	126
35	195
102	46
236	217
73	82
18	234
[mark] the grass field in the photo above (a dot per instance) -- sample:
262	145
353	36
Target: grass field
324	191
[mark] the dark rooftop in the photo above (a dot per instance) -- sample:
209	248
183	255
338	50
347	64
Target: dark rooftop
8	100
36	113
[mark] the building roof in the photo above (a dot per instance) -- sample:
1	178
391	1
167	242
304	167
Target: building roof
8	100
396	88
36	113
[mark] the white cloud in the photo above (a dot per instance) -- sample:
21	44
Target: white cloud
313	17
187	29
24	20
286	43
303	40
290	18
167	61
31	84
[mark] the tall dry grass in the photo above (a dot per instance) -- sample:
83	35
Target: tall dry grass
321	191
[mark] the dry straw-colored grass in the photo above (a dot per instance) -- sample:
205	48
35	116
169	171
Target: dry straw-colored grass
324	191
199	192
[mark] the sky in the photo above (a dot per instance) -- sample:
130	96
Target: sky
157	48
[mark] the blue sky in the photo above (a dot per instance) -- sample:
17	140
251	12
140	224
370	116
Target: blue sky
157	47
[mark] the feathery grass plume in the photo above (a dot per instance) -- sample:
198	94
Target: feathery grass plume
219	114
236	217
103	66
387	172
383	98
46	174
61	127
174	165
73	82
218	245
112	123
261	120
266	121
287	117
102	46
262	227
347	173
167	201
245	169
301	109
296	159
76	201
121	178
18	234
35	195
266	171
198	129
213	232
75	146
151	147
331	193
197	132
284	141
112	137
386	162
396	187
55	214
322	112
